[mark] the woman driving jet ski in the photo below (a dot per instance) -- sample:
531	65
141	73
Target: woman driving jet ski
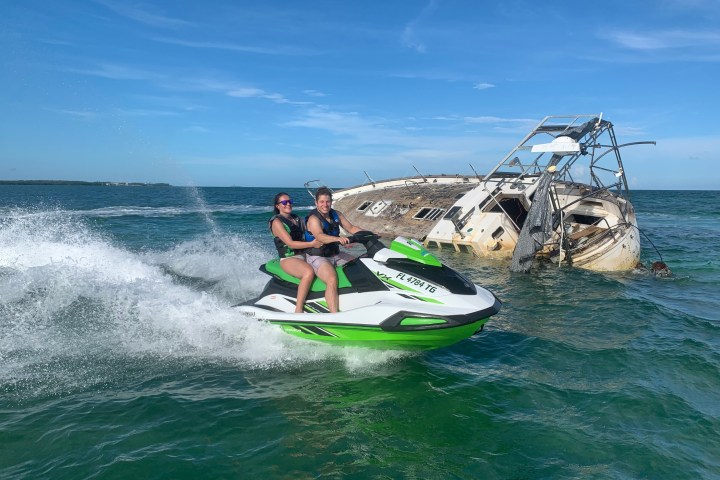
289	238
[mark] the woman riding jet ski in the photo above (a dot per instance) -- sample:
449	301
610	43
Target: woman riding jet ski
400	297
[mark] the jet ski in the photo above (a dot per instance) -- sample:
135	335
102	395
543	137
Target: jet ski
395	298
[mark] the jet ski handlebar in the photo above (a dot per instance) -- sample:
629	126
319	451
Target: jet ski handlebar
369	240
363	236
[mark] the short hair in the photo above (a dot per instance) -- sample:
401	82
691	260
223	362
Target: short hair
323	191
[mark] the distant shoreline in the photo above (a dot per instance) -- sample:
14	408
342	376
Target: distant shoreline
81	183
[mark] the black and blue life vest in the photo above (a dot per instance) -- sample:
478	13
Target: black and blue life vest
328	228
296	231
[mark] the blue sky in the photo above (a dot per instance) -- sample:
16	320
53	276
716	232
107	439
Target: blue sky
274	93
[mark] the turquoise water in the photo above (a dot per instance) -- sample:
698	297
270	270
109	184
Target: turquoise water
120	355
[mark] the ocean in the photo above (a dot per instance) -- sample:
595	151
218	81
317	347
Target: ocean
121	356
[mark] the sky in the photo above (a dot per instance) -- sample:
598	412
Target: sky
276	93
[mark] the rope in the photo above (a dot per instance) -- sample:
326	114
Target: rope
651	242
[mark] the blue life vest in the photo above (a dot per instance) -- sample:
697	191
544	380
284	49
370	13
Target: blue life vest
328	228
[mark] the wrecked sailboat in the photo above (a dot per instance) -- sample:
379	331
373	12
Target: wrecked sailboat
561	193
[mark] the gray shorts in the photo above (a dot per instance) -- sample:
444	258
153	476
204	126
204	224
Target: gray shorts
300	256
317	261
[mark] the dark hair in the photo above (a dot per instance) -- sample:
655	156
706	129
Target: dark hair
323	191
277	199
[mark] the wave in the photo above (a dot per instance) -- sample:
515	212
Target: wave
138	211
72	300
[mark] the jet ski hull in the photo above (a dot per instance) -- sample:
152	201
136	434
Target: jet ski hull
379	326
400	298
374	337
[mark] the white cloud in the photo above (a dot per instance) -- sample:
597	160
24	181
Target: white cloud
349	124
196	129
277	98
133	12
629	131
280	50
409	39
258	93
409	35
139	112
77	113
495	120
660	40
179	82
483	86
246	92
118	72
385	145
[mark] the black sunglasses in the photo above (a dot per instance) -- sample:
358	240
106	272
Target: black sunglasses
285	202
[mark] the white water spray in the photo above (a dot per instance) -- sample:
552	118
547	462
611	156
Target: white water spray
73	304
205	211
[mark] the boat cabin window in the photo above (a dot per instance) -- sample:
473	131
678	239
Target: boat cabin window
422	213
435	213
451	213
514	209
428	213
583	219
364	206
488	199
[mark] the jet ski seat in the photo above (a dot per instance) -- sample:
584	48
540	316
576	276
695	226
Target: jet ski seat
273	268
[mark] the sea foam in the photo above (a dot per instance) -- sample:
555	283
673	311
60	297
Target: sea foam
72	300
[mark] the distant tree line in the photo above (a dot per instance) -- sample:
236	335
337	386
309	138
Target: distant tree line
78	182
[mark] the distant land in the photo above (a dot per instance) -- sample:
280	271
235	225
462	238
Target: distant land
81	183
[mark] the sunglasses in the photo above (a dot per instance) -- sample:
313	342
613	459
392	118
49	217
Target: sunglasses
286	202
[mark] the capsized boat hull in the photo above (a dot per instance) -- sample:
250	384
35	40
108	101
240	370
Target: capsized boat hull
590	224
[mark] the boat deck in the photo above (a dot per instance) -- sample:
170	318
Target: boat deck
410	209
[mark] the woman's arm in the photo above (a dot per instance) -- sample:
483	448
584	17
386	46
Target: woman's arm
278	229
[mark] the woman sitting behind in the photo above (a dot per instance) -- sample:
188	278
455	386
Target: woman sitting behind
290	242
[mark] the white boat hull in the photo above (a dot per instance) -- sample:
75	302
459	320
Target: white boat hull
591	225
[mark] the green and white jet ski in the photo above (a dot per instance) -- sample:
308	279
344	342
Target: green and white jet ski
393	298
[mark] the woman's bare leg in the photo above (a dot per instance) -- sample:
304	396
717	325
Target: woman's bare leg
327	274
299	268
